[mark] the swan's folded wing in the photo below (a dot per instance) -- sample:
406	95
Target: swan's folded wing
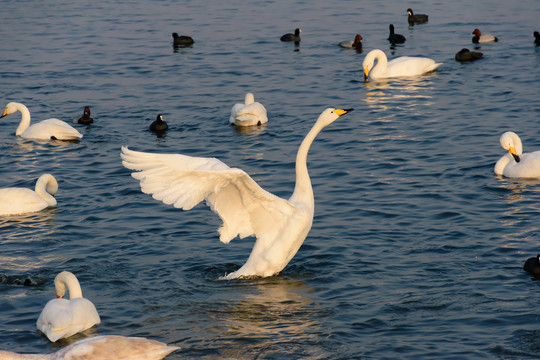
184	181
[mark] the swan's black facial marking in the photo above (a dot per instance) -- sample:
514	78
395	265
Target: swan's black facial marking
516	157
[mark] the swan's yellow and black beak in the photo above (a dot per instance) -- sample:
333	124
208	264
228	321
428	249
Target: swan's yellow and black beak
512	151
4	114
341	112
366	74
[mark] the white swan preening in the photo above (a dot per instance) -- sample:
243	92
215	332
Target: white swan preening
246	209
21	200
516	164
106	347
399	67
50	129
249	113
62	318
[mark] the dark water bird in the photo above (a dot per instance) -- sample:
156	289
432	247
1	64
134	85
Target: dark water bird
352	44
395	38
182	40
416	18
478	38
532	265
85	118
159	124
466	55
292	37
536	38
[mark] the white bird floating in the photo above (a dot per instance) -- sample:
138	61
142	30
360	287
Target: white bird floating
515	164
400	67
61	318
248	114
246	209
106	347
50	129
21	200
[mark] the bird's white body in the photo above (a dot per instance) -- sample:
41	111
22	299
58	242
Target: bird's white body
107	347
21	200
246	209
249	113
400	67
45	130
528	165
62	318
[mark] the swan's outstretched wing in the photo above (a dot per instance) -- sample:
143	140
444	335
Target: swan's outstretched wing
184	181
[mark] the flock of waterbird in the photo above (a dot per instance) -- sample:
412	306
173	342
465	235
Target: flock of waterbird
280	226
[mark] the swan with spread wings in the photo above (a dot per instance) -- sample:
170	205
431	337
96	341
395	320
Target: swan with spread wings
246	209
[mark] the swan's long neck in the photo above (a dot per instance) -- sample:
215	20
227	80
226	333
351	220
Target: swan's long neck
67	279
46	186
25	120
303	192
382	62
249	99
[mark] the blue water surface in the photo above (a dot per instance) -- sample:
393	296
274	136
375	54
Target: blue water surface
416	249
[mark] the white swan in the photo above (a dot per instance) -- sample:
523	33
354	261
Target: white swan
515	164
249	113
61	317
104	347
21	200
50	129
246	209
402	66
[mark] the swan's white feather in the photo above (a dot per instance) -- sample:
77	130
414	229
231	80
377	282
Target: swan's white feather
63	318
404	66
249	113
528	165
21	200
105	347
184	181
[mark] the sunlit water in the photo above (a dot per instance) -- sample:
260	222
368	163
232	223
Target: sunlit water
416	249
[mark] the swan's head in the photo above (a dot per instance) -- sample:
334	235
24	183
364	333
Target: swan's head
330	115
510	141
65	278
409	11
10	109
477	32
369	61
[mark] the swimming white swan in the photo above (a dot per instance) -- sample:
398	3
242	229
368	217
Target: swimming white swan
246	209
106	347
50	129
515	164
62	318
21	200
402	66
249	113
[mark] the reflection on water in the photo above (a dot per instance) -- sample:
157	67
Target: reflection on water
400	93
278	309
251	130
17	231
